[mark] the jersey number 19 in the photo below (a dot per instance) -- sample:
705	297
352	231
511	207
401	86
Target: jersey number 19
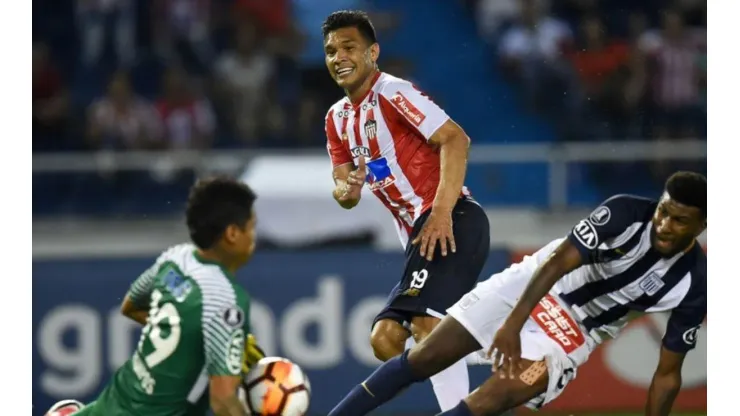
161	317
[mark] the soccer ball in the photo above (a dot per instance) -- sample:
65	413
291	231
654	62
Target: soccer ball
276	386
65	408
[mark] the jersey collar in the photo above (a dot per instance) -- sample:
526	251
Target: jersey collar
203	260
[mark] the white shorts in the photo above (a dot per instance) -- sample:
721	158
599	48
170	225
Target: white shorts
550	334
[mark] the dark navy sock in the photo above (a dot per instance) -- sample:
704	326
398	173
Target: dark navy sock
385	383
460	410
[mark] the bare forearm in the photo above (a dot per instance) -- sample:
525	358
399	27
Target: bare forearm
453	163
230	406
138	316
130	310
662	393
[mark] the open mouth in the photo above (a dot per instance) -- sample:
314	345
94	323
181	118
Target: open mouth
663	242
343	72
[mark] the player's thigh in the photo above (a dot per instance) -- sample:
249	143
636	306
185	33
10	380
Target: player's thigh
501	392
435	351
481	312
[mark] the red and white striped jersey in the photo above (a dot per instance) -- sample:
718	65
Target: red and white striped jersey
390	128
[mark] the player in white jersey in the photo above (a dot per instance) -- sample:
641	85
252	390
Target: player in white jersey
387	134
541	318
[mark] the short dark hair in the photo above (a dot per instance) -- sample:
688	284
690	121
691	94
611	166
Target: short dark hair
688	188
214	204
350	18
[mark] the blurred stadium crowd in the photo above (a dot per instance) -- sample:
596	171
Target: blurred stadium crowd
111	75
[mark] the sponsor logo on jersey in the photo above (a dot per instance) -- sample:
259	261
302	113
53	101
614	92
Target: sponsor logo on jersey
233	317
177	285
600	216
689	337
585	233
360	151
557	324
343	114
371	129
408	110
651	284
235	352
383	183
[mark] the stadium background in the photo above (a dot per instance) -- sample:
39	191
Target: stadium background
603	97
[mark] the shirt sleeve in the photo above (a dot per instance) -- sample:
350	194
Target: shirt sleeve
609	220
224	338
413	108
683	326
338	153
142	287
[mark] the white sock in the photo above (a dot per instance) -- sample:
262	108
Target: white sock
451	384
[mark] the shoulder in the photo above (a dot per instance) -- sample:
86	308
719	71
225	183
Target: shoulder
624	206
242	297
699	272
176	253
388	85
695	299
216	289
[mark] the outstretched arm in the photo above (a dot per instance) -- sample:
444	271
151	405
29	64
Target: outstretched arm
224	400
666	383
453	159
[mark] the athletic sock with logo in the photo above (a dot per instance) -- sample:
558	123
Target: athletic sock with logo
386	382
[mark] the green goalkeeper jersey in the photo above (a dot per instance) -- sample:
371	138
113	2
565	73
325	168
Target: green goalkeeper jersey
197	326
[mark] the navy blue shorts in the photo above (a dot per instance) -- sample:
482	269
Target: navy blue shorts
429	288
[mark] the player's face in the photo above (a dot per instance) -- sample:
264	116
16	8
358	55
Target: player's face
349	57
675	226
242	240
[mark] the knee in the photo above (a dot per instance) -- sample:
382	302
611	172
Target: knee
386	345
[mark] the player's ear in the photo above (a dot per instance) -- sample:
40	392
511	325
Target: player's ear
374	52
231	234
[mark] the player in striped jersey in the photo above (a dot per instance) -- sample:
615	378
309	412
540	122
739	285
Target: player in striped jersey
389	135
541	318
196	317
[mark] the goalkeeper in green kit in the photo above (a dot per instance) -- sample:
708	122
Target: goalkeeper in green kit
196	343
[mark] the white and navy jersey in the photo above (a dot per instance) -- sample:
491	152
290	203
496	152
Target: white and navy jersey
622	274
